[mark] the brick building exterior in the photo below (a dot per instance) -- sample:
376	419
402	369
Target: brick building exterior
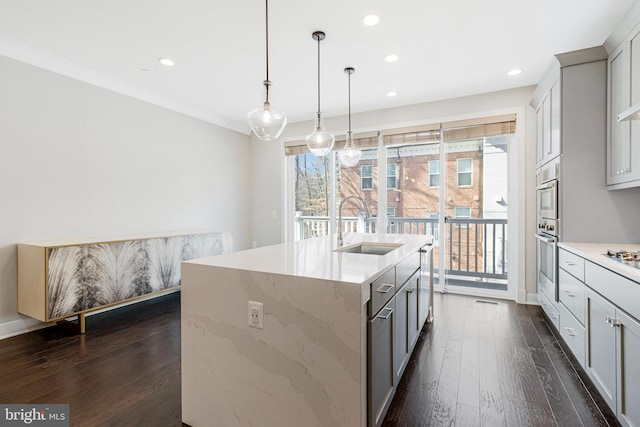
413	191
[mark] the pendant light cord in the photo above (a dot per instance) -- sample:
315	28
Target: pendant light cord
349	102
318	74
267	82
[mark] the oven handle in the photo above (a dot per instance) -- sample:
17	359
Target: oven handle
545	239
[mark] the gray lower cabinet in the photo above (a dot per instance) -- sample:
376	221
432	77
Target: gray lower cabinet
407	326
398	309
414	326
381	330
401	347
628	369
613	347
601	346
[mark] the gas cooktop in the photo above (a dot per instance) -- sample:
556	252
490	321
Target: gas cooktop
629	258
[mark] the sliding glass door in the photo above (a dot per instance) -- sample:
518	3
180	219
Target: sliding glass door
449	181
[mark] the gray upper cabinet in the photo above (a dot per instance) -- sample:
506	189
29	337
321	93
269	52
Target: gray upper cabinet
623	138
548	125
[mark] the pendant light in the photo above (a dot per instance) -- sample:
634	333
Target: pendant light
266	121
349	155
320	142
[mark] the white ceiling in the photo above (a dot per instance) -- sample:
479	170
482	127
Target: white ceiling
447	48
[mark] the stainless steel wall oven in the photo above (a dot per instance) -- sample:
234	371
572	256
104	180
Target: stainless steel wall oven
547	229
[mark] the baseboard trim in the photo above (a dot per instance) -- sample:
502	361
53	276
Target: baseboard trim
21	326
532	299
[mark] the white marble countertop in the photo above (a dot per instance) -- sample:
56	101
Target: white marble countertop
316	258
594	252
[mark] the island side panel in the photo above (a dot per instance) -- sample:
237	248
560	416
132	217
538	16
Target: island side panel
303	368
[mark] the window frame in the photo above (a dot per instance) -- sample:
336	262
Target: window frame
436	162
455	212
362	177
458	172
394	176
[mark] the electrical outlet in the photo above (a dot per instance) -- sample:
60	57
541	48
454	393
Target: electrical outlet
256	315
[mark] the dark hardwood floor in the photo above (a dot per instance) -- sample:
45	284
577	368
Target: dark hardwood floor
478	364
493	363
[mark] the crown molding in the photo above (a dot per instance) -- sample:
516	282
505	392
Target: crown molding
63	67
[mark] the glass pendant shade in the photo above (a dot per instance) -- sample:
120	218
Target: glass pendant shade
349	155
320	142
267	122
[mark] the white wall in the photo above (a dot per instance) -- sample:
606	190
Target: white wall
269	167
80	161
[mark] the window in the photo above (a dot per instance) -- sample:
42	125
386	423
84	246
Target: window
392	181
391	211
366	177
462	212
434	173
465	172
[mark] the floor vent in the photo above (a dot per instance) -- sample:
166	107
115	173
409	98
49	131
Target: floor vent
487	302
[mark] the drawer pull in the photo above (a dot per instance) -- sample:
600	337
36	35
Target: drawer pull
384	288
388	311
569	294
614	323
410	290
570	332
569	263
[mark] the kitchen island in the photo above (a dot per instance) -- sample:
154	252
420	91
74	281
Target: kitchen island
309	364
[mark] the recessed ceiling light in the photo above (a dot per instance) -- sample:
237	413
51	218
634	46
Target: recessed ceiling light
371	20
392	93
514	72
392	58
166	62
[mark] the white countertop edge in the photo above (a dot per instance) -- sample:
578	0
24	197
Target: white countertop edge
594	252
316	258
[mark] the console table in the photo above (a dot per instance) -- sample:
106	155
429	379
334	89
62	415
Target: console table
62	279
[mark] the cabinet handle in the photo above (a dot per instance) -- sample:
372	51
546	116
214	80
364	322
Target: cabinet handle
410	290
609	320
389	312
569	263
382	289
570	332
569	294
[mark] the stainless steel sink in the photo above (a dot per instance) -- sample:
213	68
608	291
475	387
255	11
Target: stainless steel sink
369	248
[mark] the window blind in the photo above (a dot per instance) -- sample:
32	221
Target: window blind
361	140
451	131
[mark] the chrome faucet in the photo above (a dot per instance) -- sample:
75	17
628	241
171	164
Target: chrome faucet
367	215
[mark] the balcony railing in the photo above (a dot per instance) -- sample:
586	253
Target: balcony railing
476	247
